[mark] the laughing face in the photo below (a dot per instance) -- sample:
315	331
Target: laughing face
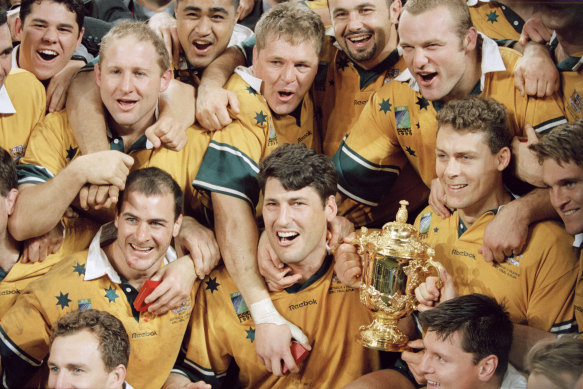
566	183
49	37
468	170
361	28
295	222
130	81
204	29
287	72
436	55
145	228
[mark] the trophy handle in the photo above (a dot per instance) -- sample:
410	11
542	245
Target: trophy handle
417	272
431	264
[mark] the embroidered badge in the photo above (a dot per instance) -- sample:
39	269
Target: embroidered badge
84	304
425	222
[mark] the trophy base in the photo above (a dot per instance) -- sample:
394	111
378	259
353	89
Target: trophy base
383	335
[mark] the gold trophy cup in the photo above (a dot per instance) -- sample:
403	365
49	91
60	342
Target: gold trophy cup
395	262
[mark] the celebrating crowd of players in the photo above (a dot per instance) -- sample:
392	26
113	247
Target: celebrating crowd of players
231	167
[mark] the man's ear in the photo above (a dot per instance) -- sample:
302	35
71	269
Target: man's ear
81	32
11	200
97	72
487	368
18	29
167	77
238	14
177	225
503	156
116	377
471	39
255	54
395	11
331	208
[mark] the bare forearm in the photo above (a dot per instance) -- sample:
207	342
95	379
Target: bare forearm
178	102
31	217
219	71
524	337
86	115
237	236
536	206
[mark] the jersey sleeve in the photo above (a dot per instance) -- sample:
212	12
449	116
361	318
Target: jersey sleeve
370	158
50	149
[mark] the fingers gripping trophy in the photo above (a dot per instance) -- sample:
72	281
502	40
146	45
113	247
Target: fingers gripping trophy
395	262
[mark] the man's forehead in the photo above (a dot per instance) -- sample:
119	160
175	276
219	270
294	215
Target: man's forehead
348	4
209	5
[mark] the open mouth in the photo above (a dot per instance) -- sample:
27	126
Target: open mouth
359	39
459	186
433	383
47	55
428	77
126	104
285	95
141	249
570	212
202	45
287	236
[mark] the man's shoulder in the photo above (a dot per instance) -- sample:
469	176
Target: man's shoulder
510	58
18	76
549	233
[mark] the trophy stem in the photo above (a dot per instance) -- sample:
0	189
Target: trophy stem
383	334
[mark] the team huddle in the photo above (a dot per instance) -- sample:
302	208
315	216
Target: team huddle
181	180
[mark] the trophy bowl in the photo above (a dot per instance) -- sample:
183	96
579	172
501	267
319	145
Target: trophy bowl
395	262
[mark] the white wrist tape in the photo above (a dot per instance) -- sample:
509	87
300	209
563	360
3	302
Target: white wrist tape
263	312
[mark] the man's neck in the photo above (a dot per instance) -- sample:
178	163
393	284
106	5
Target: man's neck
472	213
311	264
570	43
130	134
469	79
133	277
10	250
387	50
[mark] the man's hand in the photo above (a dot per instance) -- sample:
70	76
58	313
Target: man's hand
165	25
98	196
108	167
167	132
535	73
338	229
534	30
199	242
347	263
506	235
438	199
245	8
178	381
430	293
526	165
414	359
212	105
177	280
276	273
59	85
37	249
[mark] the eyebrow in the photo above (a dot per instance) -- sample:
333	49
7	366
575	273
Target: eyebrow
212	9
39	20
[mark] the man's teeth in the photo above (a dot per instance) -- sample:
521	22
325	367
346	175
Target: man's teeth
458	186
140	248
359	38
287	235
433	383
567	213
47	54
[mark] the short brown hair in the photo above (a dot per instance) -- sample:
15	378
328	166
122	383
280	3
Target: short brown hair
293	22
458	9
143	33
564	144
478	114
553	358
114	343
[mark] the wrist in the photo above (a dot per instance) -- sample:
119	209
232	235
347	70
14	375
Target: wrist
264	312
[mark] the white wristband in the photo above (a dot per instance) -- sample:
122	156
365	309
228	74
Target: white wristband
263	312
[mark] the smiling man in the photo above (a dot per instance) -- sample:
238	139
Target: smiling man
298	188
108	276
275	108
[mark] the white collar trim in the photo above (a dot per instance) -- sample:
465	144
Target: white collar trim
578	240
6	106
247	76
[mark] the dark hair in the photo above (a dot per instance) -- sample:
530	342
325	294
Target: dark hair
3	16
8	176
152	181
114	343
556	359
478	114
296	167
234	2
485	326
75	6
564	144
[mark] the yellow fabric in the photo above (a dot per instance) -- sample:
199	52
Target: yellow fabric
489	18
572	93
537	286
328	312
28	97
579	294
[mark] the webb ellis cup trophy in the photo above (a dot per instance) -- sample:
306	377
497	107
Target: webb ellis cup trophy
395	262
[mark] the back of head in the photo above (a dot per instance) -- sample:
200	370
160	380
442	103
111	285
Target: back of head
292	22
152	181
485	326
457	8
141	32
3	16
114	343
295	166
75	6
559	360
564	144
477	114
8	176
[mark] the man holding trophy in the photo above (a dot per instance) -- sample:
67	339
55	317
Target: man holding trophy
537	287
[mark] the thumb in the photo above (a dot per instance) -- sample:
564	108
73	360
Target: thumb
158	275
298	335
233	102
519	82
